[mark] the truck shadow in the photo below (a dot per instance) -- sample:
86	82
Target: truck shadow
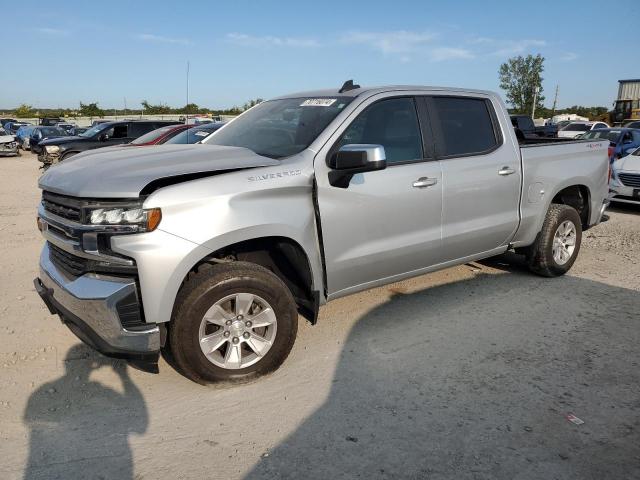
474	379
79	428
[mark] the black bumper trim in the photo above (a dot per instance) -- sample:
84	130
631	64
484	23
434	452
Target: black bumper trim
144	361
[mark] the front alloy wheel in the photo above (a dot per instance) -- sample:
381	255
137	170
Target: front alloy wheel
237	331
232	321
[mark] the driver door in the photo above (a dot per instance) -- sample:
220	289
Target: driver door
385	224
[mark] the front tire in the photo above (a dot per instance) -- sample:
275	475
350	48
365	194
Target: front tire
558	244
232	322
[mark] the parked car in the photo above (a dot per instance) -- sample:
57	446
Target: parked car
12	127
298	201
158	136
635	124
622	141
22	136
78	130
578	128
525	124
195	134
40	134
100	135
625	178
4	121
49	121
8	144
68	127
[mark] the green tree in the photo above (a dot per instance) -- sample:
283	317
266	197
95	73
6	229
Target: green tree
91	110
252	103
155	109
519	78
24	111
191	108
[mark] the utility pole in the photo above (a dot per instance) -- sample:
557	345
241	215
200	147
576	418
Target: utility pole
535	98
187	105
555	101
125	105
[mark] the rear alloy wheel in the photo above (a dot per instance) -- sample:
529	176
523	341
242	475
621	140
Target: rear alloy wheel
558	243
232	322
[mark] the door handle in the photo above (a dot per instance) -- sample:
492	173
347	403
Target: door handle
423	182
506	171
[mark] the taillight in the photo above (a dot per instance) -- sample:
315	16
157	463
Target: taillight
611	151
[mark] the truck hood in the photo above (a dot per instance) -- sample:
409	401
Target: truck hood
125	172
60	140
7	138
630	163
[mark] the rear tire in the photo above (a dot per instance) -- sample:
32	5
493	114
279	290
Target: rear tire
211	335
558	243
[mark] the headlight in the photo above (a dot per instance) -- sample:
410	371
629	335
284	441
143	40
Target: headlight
147	219
52	148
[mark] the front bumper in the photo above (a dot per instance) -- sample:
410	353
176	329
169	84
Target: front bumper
92	306
9	148
624	193
47	158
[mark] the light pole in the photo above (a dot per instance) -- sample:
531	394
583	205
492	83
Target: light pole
535	98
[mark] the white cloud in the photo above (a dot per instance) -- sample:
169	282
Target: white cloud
568	56
407	44
271	41
514	47
149	37
53	31
400	41
439	54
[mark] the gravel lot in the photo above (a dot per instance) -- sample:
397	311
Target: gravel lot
467	373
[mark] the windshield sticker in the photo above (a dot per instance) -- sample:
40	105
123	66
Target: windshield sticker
201	134
318	102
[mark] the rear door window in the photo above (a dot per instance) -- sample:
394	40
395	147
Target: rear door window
463	126
120	131
138	129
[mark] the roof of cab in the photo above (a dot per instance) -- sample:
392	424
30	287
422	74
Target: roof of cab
335	92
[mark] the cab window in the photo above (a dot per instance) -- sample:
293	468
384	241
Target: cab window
392	123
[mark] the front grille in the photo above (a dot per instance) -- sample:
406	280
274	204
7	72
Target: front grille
62	206
630	179
68	262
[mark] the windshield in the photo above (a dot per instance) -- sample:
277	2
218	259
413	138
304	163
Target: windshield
53	132
577	127
195	134
611	135
152	136
96	129
280	128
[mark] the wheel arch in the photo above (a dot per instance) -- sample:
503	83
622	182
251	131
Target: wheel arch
579	197
284	257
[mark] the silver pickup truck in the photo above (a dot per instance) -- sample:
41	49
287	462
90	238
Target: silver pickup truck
213	249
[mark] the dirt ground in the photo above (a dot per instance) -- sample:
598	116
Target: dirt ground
468	373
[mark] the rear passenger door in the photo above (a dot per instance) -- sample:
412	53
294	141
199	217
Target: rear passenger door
480	175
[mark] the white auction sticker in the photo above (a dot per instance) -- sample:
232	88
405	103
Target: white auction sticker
318	102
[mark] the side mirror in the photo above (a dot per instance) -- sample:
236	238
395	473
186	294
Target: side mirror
355	158
104	137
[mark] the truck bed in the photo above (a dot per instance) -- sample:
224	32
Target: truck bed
551	164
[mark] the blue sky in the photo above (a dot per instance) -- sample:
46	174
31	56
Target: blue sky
56	54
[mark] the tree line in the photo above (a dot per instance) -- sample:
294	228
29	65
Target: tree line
94	110
521	79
